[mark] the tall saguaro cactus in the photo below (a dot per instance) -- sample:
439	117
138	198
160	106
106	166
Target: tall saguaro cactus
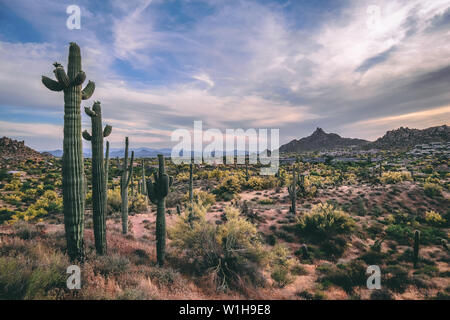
98	175
73	166
157	192
127	173
143	189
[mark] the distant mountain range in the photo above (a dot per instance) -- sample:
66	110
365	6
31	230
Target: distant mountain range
118	152
402	138
320	140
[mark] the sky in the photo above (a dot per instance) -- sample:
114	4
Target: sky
357	68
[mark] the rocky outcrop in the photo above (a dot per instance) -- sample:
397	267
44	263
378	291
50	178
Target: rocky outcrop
320	140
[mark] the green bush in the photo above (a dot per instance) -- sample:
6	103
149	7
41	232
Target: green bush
325	221
199	196
432	189
231	252
347	276
228	188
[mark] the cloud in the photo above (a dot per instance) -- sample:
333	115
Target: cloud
159	66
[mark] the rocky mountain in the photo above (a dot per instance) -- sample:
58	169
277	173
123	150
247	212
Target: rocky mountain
13	150
320	140
403	138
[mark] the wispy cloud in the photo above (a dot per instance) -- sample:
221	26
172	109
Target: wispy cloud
161	65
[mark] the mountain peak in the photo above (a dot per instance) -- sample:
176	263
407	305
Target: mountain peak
319	131
320	140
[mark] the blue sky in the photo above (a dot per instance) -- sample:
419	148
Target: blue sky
354	67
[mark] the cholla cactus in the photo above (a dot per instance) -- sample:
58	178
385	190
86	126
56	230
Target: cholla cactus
157	193
73	165
127	173
99	175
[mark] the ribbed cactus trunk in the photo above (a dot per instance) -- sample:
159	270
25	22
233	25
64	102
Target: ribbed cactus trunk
73	165
99	201
157	193
143	183
127	173
191	183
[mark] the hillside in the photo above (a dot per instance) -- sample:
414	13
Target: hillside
16	151
320	140
404	137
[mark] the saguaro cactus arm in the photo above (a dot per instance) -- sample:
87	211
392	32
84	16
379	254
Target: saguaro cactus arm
79	78
52	84
87	92
107	131
61	75
87	136
130	169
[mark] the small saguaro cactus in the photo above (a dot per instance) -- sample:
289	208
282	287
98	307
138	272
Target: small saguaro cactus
292	190
98	175
305	252
107	164
73	165
416	247
247	177
380	169
127	173
191	182
143	189
157	193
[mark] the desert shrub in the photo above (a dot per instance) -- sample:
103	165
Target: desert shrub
114	200
113	264
6	214
396	278
325	221
229	187
266	201
435	219
167	278
392	177
25	230
199	196
261	183
347	276
281	264
30	271
432	189
138	203
255	183
49	203
382	294
12	198
14	185
231	252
